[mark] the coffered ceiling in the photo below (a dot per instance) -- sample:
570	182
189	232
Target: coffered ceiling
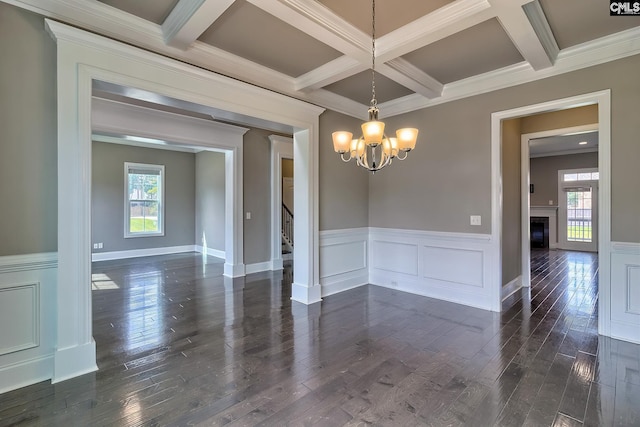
428	51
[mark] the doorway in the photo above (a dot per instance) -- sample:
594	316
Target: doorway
603	101
79	64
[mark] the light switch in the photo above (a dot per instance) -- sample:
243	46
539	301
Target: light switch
248	216
476	220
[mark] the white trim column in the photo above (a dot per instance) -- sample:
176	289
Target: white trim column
234	226
306	273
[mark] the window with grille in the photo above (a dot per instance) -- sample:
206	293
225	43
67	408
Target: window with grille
144	198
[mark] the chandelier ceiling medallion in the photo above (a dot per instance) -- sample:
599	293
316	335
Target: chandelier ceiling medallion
374	150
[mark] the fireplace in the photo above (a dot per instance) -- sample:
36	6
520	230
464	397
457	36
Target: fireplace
539	226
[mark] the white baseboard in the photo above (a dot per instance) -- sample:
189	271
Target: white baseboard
234	270
74	361
512	287
25	373
258	267
135	253
211	252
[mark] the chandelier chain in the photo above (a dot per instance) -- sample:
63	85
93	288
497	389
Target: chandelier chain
374	102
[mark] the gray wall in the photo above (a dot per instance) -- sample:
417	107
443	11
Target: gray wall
544	174
107	201
257	196
344	187
447	178
28	135
210	200
511	201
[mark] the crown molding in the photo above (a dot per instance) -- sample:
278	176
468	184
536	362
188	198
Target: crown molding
605	49
107	21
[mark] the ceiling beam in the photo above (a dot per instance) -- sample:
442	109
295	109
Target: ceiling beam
312	18
515	22
411	77
189	19
448	20
331	72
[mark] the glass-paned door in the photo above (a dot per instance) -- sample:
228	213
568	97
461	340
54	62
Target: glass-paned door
578	210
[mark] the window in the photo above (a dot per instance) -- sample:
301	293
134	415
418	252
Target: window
581	176
144	200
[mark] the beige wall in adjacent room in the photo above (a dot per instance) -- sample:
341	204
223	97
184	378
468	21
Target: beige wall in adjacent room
578	116
107	196
448	176
343	186
511	201
28	135
287	168
210	200
544	175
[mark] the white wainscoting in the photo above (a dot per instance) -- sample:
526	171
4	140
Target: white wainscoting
449	266
343	259
27	319
625	291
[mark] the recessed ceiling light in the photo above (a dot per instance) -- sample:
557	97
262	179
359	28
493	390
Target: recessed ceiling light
582	143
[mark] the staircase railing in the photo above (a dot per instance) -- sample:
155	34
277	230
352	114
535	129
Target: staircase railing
287	225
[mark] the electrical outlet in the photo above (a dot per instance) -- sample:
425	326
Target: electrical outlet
394	284
95	246
550	202
476	220
248	215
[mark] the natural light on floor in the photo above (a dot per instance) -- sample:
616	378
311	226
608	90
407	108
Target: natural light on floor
101	282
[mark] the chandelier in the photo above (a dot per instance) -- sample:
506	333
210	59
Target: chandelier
374	150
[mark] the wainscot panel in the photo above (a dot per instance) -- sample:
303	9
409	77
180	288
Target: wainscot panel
449	266
343	259
27	319
625	291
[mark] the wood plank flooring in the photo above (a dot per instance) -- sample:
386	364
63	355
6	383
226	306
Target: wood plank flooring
180	345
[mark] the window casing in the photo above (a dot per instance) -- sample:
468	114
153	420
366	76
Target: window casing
143	200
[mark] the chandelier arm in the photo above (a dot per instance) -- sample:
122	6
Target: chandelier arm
406	154
346	160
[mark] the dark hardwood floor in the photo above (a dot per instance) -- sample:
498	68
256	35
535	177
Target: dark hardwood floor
178	344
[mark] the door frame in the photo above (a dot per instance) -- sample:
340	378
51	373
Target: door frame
83	57
563	242
281	148
603	100
525	171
